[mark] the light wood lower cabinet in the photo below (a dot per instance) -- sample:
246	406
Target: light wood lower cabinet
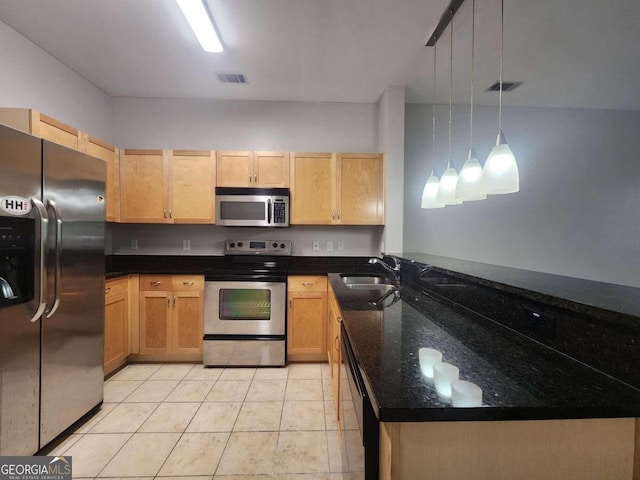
334	352
171	315
116	323
584	449
306	328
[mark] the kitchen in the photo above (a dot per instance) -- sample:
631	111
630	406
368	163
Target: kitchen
561	230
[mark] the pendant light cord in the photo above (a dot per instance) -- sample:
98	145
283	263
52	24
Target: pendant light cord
450	86
433	108
501	55
473	53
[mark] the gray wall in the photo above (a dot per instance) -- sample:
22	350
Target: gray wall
577	210
31	78
209	239
245	125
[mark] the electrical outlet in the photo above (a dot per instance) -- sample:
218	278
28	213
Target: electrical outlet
329	246
134	244
316	246
186	244
340	245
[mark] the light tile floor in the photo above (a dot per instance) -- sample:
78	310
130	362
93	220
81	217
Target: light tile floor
186	421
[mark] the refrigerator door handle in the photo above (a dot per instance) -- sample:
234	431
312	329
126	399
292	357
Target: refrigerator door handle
41	258
58	252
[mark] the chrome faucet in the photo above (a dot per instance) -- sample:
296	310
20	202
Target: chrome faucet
394	270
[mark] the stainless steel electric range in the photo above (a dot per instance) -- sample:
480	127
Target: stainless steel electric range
245	305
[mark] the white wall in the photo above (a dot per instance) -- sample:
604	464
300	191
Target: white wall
209	239
245	125
31	78
577	210
391	141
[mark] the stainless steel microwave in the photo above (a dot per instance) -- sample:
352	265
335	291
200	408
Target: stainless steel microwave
252	207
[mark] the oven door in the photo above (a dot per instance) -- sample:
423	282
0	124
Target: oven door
244	308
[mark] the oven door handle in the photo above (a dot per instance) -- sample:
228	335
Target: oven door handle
269	211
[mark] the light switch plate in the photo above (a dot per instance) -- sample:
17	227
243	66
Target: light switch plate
186	244
134	244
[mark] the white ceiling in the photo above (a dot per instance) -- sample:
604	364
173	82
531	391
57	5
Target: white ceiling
569	53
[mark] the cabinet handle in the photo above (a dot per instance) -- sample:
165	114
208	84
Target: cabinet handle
107	290
170	213
174	301
290	304
335	344
307	284
155	284
255	178
333	214
338	214
168	302
164	212
250	177
187	284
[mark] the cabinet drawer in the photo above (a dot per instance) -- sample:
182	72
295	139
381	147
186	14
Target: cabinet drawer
114	288
304	283
188	282
150	283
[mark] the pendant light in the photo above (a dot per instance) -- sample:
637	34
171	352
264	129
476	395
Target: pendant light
449	180
470	183
501	169
430	191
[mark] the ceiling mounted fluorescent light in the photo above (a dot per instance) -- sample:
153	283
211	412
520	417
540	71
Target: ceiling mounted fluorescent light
200	22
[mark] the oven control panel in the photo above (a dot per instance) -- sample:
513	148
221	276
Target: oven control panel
257	247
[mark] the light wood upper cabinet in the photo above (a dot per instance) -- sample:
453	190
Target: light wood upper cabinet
99	149
271	169
360	199
307	318
253	169
313	188
346	189
143	187
192	180
167	186
41	125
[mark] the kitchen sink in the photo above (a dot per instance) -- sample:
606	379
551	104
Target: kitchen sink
369	282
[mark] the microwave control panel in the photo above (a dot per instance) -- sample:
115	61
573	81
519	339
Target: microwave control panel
279	212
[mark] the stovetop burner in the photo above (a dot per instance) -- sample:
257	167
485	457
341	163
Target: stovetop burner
253	260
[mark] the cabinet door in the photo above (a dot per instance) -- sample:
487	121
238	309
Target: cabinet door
306	333
360	189
116	332
192	186
234	169
188	321
271	169
55	131
313	188
143	187
155	322
99	149
336	352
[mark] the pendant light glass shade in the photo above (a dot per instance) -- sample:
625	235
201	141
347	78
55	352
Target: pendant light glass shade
447	187
501	170
430	193
470	181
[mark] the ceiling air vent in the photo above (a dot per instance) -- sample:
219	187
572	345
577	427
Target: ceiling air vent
232	78
506	86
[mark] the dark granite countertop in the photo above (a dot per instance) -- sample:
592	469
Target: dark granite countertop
117	265
566	292
521	379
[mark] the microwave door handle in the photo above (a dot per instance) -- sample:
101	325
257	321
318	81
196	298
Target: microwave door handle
40	264
58	255
269	211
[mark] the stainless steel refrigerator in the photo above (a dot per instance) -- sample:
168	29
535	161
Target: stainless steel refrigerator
51	289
